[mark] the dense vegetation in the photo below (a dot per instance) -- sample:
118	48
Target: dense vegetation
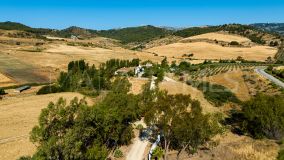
135	34
87	79
215	93
260	117
79	131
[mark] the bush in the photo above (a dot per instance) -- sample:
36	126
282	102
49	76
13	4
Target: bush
118	153
2	91
280	155
234	43
48	89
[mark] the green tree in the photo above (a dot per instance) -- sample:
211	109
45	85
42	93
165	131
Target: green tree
193	129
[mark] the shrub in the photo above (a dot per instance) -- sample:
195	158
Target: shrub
118	153
280	155
234	43
2	91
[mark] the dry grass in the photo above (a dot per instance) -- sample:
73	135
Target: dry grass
220	36
18	115
234	81
204	50
137	84
233	147
182	88
5	81
240	148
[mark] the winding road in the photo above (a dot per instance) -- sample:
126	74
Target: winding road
270	77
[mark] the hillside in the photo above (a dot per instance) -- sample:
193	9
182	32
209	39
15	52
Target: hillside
254	34
135	34
271	27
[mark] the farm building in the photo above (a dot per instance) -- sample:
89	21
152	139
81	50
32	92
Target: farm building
21	89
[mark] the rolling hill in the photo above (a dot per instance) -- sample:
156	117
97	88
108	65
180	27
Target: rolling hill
271	27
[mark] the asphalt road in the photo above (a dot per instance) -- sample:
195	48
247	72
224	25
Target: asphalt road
270	77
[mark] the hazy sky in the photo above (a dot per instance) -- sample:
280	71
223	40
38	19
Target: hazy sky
106	14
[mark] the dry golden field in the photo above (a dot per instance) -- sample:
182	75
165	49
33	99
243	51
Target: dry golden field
18	115
204	50
234	81
219	36
182	88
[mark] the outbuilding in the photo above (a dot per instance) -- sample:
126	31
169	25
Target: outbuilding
21	89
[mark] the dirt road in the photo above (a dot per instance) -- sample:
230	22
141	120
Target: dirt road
137	150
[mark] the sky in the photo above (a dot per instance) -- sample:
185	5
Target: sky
107	14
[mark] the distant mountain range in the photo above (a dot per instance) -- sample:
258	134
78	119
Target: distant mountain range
271	27
147	33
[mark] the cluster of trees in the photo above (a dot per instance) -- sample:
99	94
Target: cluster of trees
260	117
135	34
82	77
79	131
181	129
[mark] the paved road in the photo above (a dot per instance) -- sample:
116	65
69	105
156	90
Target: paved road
270	77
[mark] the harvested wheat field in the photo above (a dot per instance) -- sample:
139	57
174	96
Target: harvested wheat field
137	84
18	115
234	81
204	50
182	88
220	36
